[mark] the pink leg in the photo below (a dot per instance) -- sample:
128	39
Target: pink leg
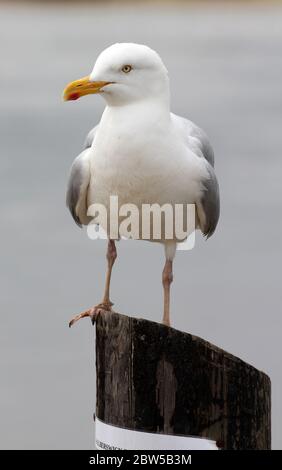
106	304
111	257
167	280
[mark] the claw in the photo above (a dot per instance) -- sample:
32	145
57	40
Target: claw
88	313
92	313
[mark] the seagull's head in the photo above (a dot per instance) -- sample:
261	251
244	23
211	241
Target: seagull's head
123	73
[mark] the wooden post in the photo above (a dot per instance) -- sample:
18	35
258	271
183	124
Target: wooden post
157	379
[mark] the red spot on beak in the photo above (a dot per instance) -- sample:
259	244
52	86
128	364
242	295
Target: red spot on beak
74	96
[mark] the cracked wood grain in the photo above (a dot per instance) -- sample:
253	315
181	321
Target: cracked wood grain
154	378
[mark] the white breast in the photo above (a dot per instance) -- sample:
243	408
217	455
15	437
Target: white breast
144	160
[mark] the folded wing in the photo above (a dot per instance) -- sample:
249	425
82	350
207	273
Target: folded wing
78	183
208	207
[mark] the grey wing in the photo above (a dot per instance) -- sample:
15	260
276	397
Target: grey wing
78	183
208	207
90	137
203	142
77	188
196	138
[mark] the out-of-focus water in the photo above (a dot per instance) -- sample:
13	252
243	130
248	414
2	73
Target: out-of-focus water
225	68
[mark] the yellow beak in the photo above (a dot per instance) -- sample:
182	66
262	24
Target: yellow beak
84	86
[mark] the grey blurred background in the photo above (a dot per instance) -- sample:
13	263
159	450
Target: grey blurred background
225	66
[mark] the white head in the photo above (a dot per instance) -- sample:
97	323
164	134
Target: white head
124	73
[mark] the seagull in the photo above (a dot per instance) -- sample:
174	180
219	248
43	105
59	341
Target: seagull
141	152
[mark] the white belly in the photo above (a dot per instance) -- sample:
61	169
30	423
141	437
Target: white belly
139	176
151	167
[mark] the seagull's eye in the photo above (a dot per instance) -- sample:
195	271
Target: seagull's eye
126	68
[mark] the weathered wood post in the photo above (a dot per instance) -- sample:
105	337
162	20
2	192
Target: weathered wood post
156	379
